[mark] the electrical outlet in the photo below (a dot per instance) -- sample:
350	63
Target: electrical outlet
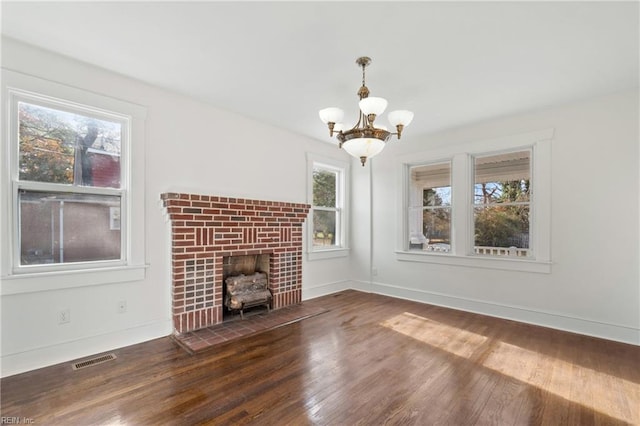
64	316
122	306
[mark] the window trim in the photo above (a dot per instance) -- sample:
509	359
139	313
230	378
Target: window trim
132	265
462	202
342	196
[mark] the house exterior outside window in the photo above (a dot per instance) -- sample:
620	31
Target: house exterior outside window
327	193
483	204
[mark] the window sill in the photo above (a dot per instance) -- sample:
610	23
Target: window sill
519	265
46	281
327	254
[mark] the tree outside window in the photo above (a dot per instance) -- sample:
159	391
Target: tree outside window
325	207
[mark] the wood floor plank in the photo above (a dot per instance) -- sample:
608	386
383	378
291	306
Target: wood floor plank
368	360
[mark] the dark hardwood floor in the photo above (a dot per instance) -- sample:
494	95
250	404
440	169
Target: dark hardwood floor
369	360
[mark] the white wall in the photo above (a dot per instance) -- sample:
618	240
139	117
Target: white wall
594	285
190	147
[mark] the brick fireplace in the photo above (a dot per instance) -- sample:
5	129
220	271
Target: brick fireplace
206	230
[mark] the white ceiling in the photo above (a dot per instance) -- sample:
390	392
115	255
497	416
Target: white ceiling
452	63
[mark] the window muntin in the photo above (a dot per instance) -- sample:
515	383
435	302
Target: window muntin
430	207
326	208
68	179
502	204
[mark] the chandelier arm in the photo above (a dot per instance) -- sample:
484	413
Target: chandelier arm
359	121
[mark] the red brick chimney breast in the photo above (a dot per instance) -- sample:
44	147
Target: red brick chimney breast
205	229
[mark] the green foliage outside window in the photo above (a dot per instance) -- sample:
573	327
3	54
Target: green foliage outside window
498	221
324	195
46	146
436	222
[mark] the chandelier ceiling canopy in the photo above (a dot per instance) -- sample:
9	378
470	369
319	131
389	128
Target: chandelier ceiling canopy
365	140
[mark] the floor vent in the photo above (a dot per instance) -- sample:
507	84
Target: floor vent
93	361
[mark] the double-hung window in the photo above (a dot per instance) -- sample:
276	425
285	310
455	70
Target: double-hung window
73	207
68	188
488	205
327	227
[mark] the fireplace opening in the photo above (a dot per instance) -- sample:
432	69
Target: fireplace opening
249	273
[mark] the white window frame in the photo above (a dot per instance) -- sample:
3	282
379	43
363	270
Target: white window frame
462	182
341	168
18	278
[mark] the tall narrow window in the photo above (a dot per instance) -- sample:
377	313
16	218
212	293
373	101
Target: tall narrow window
326	212
69	188
327	192
502	197
430	207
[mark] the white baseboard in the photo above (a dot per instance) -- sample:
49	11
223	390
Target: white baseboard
325	289
615	332
68	351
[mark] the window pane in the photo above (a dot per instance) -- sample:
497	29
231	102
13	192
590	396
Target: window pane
324	187
66	228
62	147
502	178
324	228
502	230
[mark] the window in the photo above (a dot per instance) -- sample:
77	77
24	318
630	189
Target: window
487	206
326	213
327	195
69	183
74	209
430	207
501	204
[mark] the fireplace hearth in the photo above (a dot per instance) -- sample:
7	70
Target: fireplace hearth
207	231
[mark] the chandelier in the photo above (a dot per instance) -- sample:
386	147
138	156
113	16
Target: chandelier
365	140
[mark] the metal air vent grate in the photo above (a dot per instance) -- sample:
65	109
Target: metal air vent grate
93	361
